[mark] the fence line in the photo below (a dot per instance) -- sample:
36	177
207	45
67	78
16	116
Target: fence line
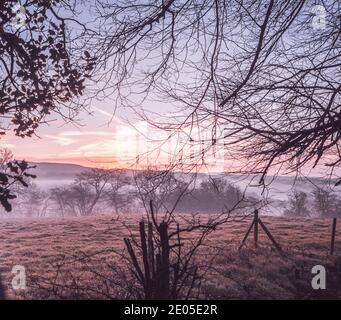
258	222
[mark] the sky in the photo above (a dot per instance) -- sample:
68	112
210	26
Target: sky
116	140
109	140
103	139
100	139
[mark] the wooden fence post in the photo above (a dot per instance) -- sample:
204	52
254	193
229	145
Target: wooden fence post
333	237
2	292
247	234
256	222
270	236
164	268
256	228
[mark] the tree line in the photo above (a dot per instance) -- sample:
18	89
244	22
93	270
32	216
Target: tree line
322	202
117	191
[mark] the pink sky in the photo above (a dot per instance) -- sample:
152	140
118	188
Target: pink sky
102	140
100	143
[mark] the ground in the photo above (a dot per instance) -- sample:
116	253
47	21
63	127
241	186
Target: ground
74	258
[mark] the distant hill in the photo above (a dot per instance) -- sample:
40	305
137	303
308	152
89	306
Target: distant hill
48	170
53	174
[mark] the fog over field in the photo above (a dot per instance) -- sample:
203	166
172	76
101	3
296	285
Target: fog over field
276	190
51	175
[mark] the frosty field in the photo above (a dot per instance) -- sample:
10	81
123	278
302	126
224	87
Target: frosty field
75	258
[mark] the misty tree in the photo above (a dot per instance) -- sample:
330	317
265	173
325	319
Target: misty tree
162	187
81	199
217	195
63	201
298	204
73	200
33	202
263	78
89	186
326	202
118	193
33	39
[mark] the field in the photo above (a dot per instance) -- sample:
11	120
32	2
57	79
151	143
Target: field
76	258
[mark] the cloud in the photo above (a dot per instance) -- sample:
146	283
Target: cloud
108	115
67	138
61	140
105	113
7	145
85	133
119	145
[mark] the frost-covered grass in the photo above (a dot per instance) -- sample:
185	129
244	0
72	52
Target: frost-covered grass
84	249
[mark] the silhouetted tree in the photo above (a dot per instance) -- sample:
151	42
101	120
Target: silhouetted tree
89	186
298	204
63	200
118	194
216	195
326	202
13	175
88	189
162	187
38	75
261	77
